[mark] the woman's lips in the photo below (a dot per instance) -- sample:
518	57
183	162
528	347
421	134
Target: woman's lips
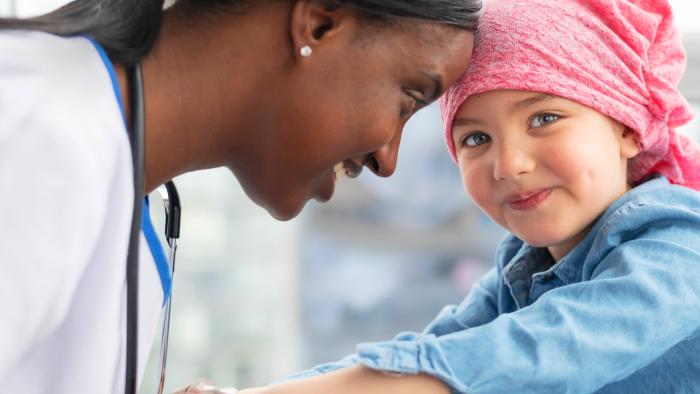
527	201
326	187
353	168
341	170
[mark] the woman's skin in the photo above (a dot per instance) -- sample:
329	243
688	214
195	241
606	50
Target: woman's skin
231	89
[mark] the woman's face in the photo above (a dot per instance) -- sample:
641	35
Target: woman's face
347	103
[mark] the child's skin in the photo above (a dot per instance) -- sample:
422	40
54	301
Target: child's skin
356	379
541	166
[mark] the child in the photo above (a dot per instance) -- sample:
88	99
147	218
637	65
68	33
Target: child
563	129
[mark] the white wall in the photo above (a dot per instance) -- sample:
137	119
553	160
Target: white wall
33	7
7	7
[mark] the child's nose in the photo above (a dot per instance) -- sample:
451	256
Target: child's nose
512	161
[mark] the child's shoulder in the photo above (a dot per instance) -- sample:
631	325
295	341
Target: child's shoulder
654	200
655	209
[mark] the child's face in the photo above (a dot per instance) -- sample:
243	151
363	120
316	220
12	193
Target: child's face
541	166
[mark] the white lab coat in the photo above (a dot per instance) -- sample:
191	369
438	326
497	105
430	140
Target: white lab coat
66	200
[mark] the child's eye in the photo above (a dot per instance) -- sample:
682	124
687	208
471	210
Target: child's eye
543	119
475	139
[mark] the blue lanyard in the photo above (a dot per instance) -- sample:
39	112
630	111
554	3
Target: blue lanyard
149	232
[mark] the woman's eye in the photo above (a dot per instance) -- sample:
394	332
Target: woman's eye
412	103
475	139
543	119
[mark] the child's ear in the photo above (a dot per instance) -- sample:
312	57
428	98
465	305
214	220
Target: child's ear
629	147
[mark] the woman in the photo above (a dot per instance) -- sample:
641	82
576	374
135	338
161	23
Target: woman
286	94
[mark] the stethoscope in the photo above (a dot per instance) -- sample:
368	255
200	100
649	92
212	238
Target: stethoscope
171	200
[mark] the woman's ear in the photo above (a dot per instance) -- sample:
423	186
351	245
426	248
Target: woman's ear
629	146
313	25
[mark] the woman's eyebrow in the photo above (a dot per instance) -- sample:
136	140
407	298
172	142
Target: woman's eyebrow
530	101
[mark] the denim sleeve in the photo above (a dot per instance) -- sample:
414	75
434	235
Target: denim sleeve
321	369
642	298
478	308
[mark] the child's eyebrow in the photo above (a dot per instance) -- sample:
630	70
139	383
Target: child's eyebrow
517	106
530	101
465	122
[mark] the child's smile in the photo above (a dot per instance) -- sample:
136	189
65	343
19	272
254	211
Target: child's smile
527	200
541	166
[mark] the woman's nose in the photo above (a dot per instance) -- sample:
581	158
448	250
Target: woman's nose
383	161
512	161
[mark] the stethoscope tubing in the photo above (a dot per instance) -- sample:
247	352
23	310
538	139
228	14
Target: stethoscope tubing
171	200
173	210
136	139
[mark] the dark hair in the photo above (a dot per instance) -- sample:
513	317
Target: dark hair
127	29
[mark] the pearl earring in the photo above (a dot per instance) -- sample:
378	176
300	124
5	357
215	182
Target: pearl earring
305	51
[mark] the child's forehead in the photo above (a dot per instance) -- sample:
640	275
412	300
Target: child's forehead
487	107
510	100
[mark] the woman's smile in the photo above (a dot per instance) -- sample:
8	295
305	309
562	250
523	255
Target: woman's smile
347	168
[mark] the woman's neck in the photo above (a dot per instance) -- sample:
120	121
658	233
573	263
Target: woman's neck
189	77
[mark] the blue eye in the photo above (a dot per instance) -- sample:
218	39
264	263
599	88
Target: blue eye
476	139
543	119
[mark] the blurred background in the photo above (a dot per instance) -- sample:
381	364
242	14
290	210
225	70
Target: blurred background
256	299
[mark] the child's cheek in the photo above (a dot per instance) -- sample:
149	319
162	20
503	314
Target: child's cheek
476	182
565	158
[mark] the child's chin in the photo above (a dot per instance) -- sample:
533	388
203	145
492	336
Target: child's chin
540	240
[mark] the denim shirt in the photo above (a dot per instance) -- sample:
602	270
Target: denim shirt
620	313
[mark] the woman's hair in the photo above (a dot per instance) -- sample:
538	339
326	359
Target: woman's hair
127	29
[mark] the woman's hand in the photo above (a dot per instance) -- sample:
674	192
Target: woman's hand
259	390
203	386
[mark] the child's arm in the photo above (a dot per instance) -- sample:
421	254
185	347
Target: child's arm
357	379
639	300
478	308
642	299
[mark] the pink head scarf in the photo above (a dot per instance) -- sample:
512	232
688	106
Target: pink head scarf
623	58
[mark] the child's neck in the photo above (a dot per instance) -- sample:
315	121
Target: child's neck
560	250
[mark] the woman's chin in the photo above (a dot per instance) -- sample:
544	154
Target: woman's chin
286	206
292	203
286	200
285	213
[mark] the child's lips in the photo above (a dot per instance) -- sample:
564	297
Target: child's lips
527	200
